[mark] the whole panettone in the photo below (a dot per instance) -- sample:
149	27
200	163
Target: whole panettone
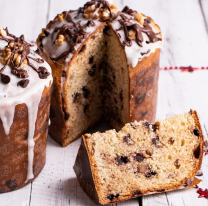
105	64
25	82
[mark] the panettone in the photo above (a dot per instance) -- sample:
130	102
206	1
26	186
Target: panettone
25	81
105	64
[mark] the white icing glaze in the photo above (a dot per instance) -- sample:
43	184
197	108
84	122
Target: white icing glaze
133	53
52	50
12	95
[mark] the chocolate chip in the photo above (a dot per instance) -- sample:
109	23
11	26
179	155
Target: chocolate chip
122	159
171	141
91	60
23	83
146	124
155	126
66	115
156	141
11	184
197	152
106	29
127	138
92	71
140	98
86	107
133	125
139	157
143	114
43	73
46	32
150	174
74	96
86	92
196	132
93	37
52	112
112	197
5	79
137	193
82	49
177	164
63	74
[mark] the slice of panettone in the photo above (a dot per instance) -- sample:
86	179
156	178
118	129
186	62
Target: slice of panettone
141	159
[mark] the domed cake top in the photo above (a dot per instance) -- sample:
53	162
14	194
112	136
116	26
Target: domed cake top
138	33
20	65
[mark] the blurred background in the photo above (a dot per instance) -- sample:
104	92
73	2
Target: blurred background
184	23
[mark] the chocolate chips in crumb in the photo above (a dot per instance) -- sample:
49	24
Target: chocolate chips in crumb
139	157
196	132
86	92
197	152
91	59
156	141
122	160
112	197
92	71
177	164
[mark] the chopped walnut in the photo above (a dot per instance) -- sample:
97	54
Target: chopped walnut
139	18
11	44
23	64
2	32
61	17
132	34
5	54
17	60
106	14
60	40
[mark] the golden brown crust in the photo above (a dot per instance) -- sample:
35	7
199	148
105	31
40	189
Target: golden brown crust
196	119
14	148
144	88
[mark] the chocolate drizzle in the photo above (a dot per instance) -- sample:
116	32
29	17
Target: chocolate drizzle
17	46
127	25
129	11
75	33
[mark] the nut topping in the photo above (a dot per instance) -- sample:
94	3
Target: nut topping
60	40
2	32
139	18
61	17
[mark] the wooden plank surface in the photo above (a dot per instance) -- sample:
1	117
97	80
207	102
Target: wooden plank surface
184	26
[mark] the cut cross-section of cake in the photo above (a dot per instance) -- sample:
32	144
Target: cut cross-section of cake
105	65
141	159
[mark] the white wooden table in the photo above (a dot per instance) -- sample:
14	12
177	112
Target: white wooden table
184	24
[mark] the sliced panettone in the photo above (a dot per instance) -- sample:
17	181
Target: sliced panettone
141	159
